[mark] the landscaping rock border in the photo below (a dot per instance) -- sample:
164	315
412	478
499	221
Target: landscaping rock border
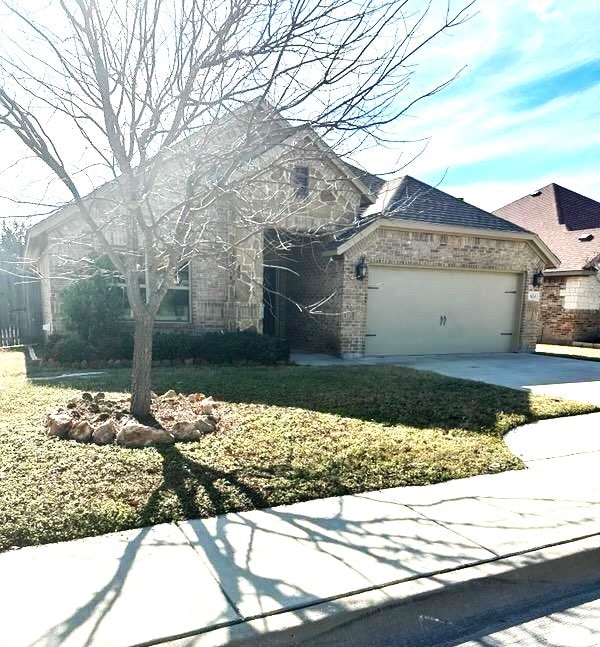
95	419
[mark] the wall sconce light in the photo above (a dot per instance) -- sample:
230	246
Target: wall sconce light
361	268
538	279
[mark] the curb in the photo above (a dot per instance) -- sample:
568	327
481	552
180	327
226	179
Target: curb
424	611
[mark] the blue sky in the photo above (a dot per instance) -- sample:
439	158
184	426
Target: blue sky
525	112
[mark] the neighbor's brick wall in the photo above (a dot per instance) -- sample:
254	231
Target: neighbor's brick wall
570	309
433	250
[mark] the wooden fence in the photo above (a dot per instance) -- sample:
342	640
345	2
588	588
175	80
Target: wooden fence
10	336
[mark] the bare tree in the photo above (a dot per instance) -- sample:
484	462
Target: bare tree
186	105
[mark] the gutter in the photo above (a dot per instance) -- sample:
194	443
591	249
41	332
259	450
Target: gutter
559	272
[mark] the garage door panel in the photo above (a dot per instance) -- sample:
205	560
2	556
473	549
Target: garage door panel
420	311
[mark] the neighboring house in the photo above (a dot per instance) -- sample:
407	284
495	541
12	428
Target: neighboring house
569	223
408	269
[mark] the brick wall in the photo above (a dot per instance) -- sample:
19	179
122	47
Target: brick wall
562	317
226	277
396	247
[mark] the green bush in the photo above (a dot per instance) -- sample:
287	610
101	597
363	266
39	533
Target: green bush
224	348
215	348
172	345
70	348
92	307
119	346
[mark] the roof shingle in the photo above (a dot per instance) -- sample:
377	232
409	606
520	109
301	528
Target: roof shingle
406	198
373	182
560	217
410	199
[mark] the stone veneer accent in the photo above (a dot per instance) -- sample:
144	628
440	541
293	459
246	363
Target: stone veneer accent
226	279
397	247
581	293
570	309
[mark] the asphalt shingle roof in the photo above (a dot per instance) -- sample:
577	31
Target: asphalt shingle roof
559	217
373	182
410	199
406	198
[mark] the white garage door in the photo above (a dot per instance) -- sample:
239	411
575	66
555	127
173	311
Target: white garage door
421	312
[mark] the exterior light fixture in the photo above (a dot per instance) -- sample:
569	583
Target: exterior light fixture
361	269
538	279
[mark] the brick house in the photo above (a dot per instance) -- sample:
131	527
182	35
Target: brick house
366	267
569	223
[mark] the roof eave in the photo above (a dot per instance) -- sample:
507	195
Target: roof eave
50	222
339	164
560	272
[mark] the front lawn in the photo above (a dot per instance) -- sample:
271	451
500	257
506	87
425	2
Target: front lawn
289	434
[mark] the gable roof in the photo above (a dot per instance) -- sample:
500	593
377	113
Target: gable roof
560	217
373	182
411	199
365	183
407	203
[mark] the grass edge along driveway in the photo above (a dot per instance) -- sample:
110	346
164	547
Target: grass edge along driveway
288	434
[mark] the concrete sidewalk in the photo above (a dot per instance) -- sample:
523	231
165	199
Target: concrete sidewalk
265	576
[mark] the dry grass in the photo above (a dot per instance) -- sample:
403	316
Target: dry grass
288	434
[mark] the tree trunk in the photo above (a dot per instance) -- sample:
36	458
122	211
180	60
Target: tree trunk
141	373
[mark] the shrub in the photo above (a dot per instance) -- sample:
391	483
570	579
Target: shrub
172	345
119	346
70	348
216	348
93	306
224	348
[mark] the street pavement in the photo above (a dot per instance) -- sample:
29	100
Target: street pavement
575	624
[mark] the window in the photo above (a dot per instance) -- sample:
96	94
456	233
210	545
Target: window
300	180
176	304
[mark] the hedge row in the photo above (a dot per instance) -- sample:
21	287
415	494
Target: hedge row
215	348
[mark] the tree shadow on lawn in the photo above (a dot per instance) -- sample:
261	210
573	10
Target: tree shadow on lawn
385	394
203	490
187	478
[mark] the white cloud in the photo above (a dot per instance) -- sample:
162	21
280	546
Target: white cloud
545	9
484	121
506	45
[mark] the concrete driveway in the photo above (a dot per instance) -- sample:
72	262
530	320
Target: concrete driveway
554	376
